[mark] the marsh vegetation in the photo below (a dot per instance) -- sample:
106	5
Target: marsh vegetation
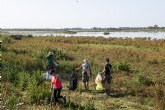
138	72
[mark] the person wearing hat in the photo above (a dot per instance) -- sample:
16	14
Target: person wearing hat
86	72
51	61
56	85
107	76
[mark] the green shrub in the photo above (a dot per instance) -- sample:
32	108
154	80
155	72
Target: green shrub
65	67
37	91
40	60
24	79
10	72
160	95
20	51
43	93
143	79
122	66
96	69
39	64
29	65
79	88
32	92
39	77
59	54
13	100
149	101
6	40
89	105
10	96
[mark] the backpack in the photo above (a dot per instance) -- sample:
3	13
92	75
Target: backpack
73	81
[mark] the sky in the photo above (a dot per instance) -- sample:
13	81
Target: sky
81	13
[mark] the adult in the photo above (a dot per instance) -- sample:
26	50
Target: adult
56	86
107	75
86	73
51	61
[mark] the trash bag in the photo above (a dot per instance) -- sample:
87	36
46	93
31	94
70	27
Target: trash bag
47	75
73	81
99	86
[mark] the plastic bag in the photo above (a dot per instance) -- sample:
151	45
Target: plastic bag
47	75
99	86
98	82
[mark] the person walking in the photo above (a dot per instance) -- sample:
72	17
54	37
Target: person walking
107	76
86	73
56	86
51	61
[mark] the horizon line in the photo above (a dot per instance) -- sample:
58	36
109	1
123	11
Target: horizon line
90	27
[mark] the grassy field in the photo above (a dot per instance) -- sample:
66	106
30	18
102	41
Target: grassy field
138	72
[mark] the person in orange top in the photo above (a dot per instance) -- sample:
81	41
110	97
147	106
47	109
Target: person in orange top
56	85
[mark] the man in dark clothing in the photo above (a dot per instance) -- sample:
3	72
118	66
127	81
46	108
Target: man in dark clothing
107	75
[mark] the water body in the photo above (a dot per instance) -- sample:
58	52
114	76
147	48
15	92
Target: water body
152	35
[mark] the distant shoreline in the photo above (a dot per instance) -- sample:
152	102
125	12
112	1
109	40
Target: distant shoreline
94	29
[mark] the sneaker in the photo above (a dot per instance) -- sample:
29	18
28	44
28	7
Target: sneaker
106	93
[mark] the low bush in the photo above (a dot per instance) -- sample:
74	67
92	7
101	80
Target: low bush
10	72
37	91
59	54
24	79
122	66
143	79
32	92
6	40
10	97
39	77
89	105
160	96
65	67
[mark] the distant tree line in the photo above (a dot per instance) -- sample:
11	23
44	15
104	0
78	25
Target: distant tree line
78	29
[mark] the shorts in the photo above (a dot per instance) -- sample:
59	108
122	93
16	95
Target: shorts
85	78
107	79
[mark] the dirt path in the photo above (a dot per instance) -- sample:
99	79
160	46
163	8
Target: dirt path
100	101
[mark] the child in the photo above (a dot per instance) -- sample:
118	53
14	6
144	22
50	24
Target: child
98	81
56	85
